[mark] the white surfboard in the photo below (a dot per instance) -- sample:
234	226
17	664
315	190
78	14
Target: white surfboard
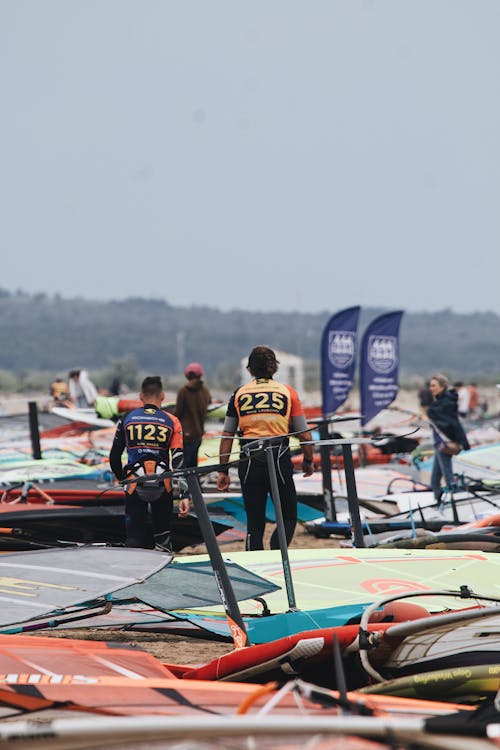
88	416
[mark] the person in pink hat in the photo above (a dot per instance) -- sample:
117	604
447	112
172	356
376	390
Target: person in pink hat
191	409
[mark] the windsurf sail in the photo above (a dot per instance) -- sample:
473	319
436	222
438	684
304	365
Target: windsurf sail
333	585
34	584
193	584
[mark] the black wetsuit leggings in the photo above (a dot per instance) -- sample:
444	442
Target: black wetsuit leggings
137	522
255	486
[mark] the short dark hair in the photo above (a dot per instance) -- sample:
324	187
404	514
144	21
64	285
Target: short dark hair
152	385
262	362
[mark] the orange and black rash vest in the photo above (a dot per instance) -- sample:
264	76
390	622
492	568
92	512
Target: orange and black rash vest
265	408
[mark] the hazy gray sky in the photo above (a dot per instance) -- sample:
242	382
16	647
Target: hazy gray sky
261	154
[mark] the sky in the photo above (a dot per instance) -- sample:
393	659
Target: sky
272	155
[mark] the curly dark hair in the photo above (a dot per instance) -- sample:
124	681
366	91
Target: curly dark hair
262	362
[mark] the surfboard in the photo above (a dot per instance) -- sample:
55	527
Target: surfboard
49	468
64	492
26	526
375	484
85	416
307	654
454	641
90	417
234	506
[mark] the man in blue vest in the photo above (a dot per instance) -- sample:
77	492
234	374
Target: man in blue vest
153	440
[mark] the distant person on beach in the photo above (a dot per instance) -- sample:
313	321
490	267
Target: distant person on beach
474	406
82	391
153	441
191	409
463	395
448	433
59	391
117	387
265	408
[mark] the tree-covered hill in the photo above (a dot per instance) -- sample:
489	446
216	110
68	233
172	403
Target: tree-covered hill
38	332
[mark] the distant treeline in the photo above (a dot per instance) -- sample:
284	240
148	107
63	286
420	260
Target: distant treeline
50	334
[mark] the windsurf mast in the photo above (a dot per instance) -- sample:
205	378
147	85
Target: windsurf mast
229	601
323	424
280	526
326	472
352	496
34	430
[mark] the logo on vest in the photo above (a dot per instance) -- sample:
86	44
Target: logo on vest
383	353
341	348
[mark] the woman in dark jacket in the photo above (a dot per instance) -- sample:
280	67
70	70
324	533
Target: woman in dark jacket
443	416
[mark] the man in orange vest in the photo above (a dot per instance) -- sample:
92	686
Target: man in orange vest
265	408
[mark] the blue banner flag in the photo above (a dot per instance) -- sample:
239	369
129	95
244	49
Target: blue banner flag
338	358
378	377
